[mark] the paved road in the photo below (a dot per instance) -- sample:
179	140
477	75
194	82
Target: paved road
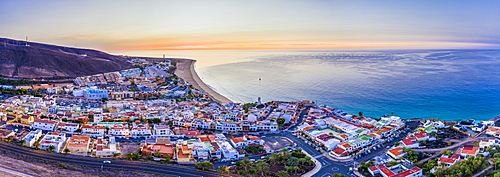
171	170
467	140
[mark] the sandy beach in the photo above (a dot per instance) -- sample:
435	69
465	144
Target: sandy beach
185	70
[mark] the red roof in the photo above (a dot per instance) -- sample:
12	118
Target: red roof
408	172
446	160
407	142
338	151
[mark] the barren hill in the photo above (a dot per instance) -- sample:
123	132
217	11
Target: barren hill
50	61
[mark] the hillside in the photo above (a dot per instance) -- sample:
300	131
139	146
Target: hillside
50	61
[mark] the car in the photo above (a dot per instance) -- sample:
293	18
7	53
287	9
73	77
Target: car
106	161
265	153
232	163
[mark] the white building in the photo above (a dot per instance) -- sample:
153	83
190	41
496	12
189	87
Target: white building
141	130
67	127
162	131
93	130
32	137
106	147
54	139
44	124
119	130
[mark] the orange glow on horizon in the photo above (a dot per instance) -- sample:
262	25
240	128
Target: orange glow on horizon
284	46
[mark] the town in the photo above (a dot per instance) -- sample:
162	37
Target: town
151	114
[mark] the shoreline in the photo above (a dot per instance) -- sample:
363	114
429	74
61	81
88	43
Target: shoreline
185	70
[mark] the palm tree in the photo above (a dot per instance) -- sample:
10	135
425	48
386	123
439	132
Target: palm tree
262	167
51	148
36	144
223	169
150	157
246	163
168	158
22	142
66	150
116	154
282	173
293	161
302	160
157	154
274	158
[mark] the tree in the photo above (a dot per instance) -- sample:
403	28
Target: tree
360	113
223	169
246	163
150	157
447	153
156	120
274	158
22	142
66	151
293	161
282	173
36	144
280	121
9	139
397	143
116	154
339	175
157	154
262	167
51	148
170	123
302	160
132	156
204	165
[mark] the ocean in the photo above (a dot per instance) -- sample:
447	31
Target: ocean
443	84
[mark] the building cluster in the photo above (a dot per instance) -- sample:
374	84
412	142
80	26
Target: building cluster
343	134
195	147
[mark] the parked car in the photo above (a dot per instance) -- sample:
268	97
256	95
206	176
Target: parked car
106	161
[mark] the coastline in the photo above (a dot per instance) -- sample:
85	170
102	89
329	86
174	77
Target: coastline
185	70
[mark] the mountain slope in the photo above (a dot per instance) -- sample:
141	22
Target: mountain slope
50	61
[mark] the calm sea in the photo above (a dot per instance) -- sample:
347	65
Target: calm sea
444	84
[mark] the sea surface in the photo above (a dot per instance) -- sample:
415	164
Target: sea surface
444	84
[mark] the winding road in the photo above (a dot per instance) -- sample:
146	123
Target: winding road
162	169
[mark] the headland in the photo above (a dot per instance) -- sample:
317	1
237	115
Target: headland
185	70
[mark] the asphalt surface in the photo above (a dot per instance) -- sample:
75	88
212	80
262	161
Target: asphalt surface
329	167
162	169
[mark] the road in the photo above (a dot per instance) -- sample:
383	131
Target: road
162	169
467	140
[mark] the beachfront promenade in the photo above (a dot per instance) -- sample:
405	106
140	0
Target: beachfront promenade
185	70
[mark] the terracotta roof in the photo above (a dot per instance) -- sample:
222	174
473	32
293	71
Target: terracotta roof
397	151
446	160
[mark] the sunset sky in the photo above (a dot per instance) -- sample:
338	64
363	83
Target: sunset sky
267	24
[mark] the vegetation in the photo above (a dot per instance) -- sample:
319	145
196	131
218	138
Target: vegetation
206	165
278	164
339	175
280	121
247	106
254	149
464	168
411	155
20	82
132	156
19	92
365	165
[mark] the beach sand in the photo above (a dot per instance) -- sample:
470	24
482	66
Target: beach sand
185	70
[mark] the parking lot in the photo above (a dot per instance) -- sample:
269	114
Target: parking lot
276	143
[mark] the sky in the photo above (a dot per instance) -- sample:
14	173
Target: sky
114	25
